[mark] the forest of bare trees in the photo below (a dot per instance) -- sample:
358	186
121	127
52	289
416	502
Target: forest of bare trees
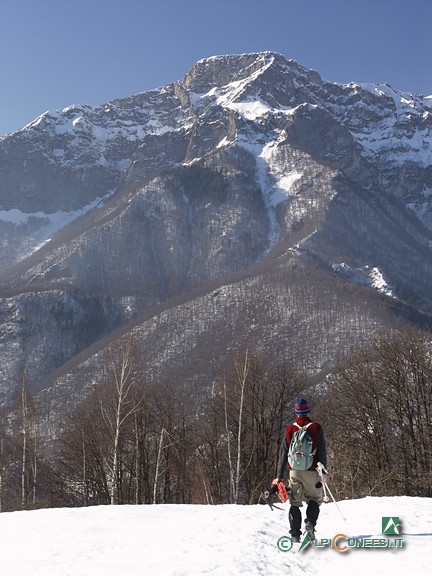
132	441
379	417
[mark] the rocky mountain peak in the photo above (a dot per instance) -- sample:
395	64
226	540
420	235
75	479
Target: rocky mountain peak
219	71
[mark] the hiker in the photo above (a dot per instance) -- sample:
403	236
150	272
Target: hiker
305	484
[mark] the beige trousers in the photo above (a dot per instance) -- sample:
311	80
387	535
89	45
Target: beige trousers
303	489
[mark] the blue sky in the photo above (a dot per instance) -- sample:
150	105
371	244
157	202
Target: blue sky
60	52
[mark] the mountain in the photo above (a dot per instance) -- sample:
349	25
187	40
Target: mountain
252	203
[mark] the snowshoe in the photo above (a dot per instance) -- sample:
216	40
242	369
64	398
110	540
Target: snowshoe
310	530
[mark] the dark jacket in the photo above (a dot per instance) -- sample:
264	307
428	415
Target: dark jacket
318	442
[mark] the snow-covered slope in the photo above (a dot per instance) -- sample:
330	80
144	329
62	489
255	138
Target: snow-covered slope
189	540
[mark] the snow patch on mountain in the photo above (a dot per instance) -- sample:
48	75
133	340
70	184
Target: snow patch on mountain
276	181
251	109
368	276
377	281
283	179
46	224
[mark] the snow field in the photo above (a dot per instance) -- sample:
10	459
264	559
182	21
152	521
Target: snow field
192	540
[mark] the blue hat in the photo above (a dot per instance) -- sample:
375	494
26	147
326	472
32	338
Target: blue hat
302	406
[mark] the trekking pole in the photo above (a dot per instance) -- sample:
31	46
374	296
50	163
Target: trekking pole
326	496
321	471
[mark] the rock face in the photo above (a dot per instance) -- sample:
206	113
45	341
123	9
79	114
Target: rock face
252	176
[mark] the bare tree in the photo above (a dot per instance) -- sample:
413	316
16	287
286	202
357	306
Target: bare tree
242	369
175	445
119	403
5	455
29	452
162	446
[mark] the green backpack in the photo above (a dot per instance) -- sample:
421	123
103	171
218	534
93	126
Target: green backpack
300	453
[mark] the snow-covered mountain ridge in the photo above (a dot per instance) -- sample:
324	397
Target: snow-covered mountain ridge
376	114
392	127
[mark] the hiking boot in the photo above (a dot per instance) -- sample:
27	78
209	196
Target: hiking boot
295	538
310	529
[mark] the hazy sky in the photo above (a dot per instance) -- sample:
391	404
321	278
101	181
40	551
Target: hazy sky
60	52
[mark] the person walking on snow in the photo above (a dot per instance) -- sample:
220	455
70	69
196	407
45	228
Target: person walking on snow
305	485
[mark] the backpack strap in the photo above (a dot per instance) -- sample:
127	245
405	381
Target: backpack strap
305	429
